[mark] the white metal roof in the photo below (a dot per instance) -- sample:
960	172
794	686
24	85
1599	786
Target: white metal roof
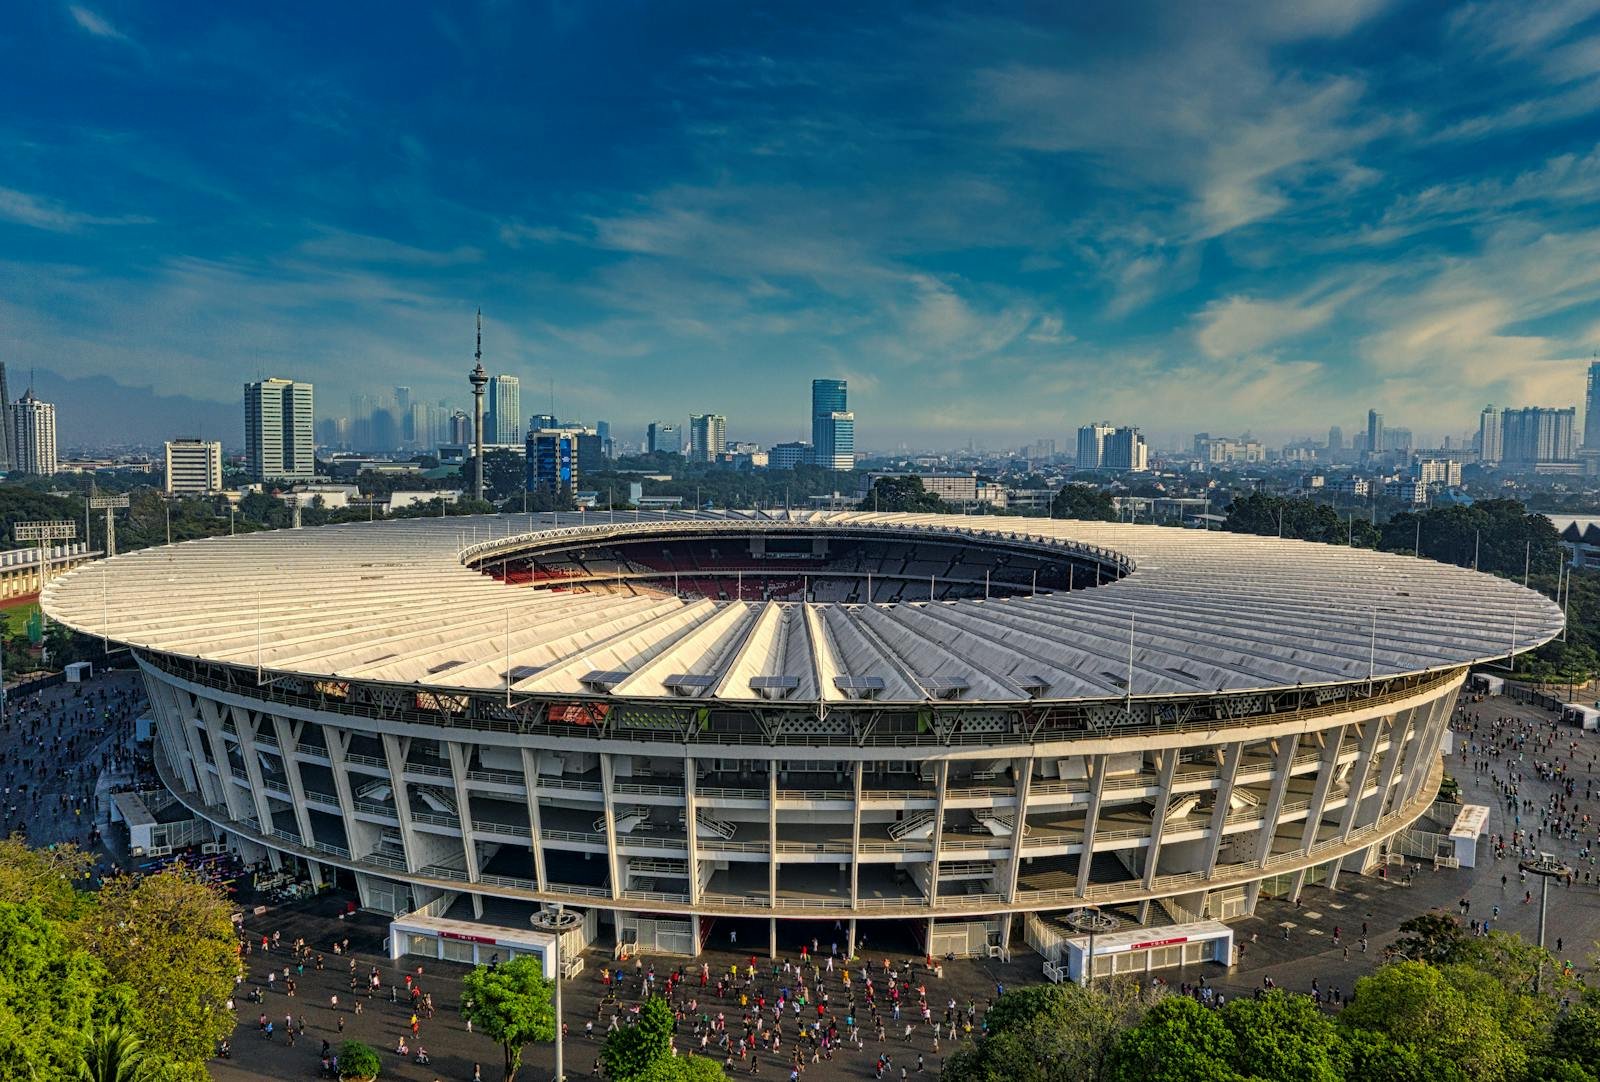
1202	611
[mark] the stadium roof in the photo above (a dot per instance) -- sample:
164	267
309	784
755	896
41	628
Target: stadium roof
1200	612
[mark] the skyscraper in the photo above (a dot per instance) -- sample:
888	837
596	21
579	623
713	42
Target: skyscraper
1490	436
1535	435
278	440
504	410
1591	407
1125	450
1335	438
603	430
33	426
708	436
1374	433
552	464
833	426
1092	445
194	467
8	439
664	438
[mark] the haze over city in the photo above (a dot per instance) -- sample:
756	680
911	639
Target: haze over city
996	224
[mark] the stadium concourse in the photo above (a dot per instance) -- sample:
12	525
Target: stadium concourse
942	732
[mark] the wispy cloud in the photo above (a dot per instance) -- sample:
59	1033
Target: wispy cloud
94	23
48	214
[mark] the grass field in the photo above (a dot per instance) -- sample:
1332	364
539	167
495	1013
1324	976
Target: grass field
17	616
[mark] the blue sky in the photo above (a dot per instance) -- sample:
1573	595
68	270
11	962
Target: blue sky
997	221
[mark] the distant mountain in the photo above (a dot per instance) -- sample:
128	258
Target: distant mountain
98	412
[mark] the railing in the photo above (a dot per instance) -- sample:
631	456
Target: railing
388	811
357	759
726	793
320	797
579	836
386	861
568	785
435	819
487	826
499	777
669	896
647	788
815	847
278	787
508	881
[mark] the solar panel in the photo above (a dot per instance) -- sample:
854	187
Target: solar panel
521	672
774	683
1030	681
443	665
858	683
605	678
945	683
689	680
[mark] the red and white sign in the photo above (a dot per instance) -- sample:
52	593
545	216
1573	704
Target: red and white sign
1159	943
469	938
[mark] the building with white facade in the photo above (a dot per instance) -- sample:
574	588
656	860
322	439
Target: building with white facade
502	416
33	432
931	723
193	467
708	436
1092	440
1126	450
278	435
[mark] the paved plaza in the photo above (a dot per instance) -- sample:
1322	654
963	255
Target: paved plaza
92	723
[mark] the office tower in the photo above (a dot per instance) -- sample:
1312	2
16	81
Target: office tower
1374	433
458	429
786	456
833	426
1335	438
1092	445
1591	407
503	410
194	467
543	420
1490	434
603	430
1397	440
708	436
552	464
8	439
402	399
1535	435
664	438
33	427
1125	450
278	440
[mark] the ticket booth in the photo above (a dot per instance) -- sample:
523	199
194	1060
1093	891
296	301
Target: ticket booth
1146	950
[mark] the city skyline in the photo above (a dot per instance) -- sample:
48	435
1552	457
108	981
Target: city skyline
1384	205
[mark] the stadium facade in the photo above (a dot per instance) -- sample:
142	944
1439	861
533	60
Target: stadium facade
844	717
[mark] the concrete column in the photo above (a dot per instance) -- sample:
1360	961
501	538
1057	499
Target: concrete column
338	744
608	787
850	940
237	802
772	937
1425	746
691	811
1281	767
942	779
1333	740
1024	769
1158	822
530	776
395	750
1219	809
1404	725
1358	785
458	753
772	833
1096	765
244	724
289	744
855	844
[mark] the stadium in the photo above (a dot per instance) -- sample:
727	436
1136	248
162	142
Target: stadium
926	726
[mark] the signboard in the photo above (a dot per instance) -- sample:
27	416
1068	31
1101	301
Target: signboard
469	938
1152	943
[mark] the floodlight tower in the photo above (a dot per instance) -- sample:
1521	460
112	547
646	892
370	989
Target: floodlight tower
110	504
479	379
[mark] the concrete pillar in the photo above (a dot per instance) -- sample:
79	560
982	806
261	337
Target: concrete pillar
530	781
850	939
855	842
608	788
941	779
338	744
1219	810
772	833
691	811
244	724
1024	771
458	753
1096	765
395	750
232	799
772	936
1358	785
1282	766
1332	741
289	744
1158	822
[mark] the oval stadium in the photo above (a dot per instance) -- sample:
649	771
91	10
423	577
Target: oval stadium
673	721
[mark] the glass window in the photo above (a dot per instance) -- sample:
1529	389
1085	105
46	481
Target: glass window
424	946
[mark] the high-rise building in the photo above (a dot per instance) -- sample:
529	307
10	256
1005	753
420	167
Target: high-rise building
1538	435
543	420
194	467
1092	445
278	438
458	429
833	426
33	427
1398	440
1591	408
603	430
1335	438
1490	436
1125	450
552	461
8	439
708	436
664	438
1374	433
503	410
786	456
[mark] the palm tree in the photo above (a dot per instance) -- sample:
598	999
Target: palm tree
114	1055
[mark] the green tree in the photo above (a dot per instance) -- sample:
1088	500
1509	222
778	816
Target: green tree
903	494
1049	1033
1083	502
114	1054
511	1004
1436	938
1178	1041
682	1069
170	938
1413	1004
52	994
1373	1057
1576	1034
1305	520
45	878
629	1052
1281	1037
358	1060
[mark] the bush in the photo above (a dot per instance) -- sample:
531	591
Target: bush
357	1060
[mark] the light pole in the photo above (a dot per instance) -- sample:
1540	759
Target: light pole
557	920
1547	867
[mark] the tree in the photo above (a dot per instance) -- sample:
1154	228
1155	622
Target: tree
51	995
683	1069
628	1053
46	878
1178	1041
903	494
1284	1037
511	1003
1049	1033
358	1060
1413	1004
1305	520
1436	938
114	1054
170	938
1083	502
1576	1034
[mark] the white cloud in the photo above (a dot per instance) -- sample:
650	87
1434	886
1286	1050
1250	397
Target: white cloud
40	213
95	23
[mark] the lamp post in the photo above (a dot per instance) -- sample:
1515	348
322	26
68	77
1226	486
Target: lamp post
1547	867
557	920
1089	919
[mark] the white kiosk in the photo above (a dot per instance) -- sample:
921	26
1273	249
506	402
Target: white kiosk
1144	950
1469	826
